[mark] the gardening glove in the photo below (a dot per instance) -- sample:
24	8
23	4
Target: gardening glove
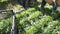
54	6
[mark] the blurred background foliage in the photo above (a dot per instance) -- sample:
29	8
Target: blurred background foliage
32	20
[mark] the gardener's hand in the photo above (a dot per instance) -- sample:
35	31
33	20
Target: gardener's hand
58	2
50	2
